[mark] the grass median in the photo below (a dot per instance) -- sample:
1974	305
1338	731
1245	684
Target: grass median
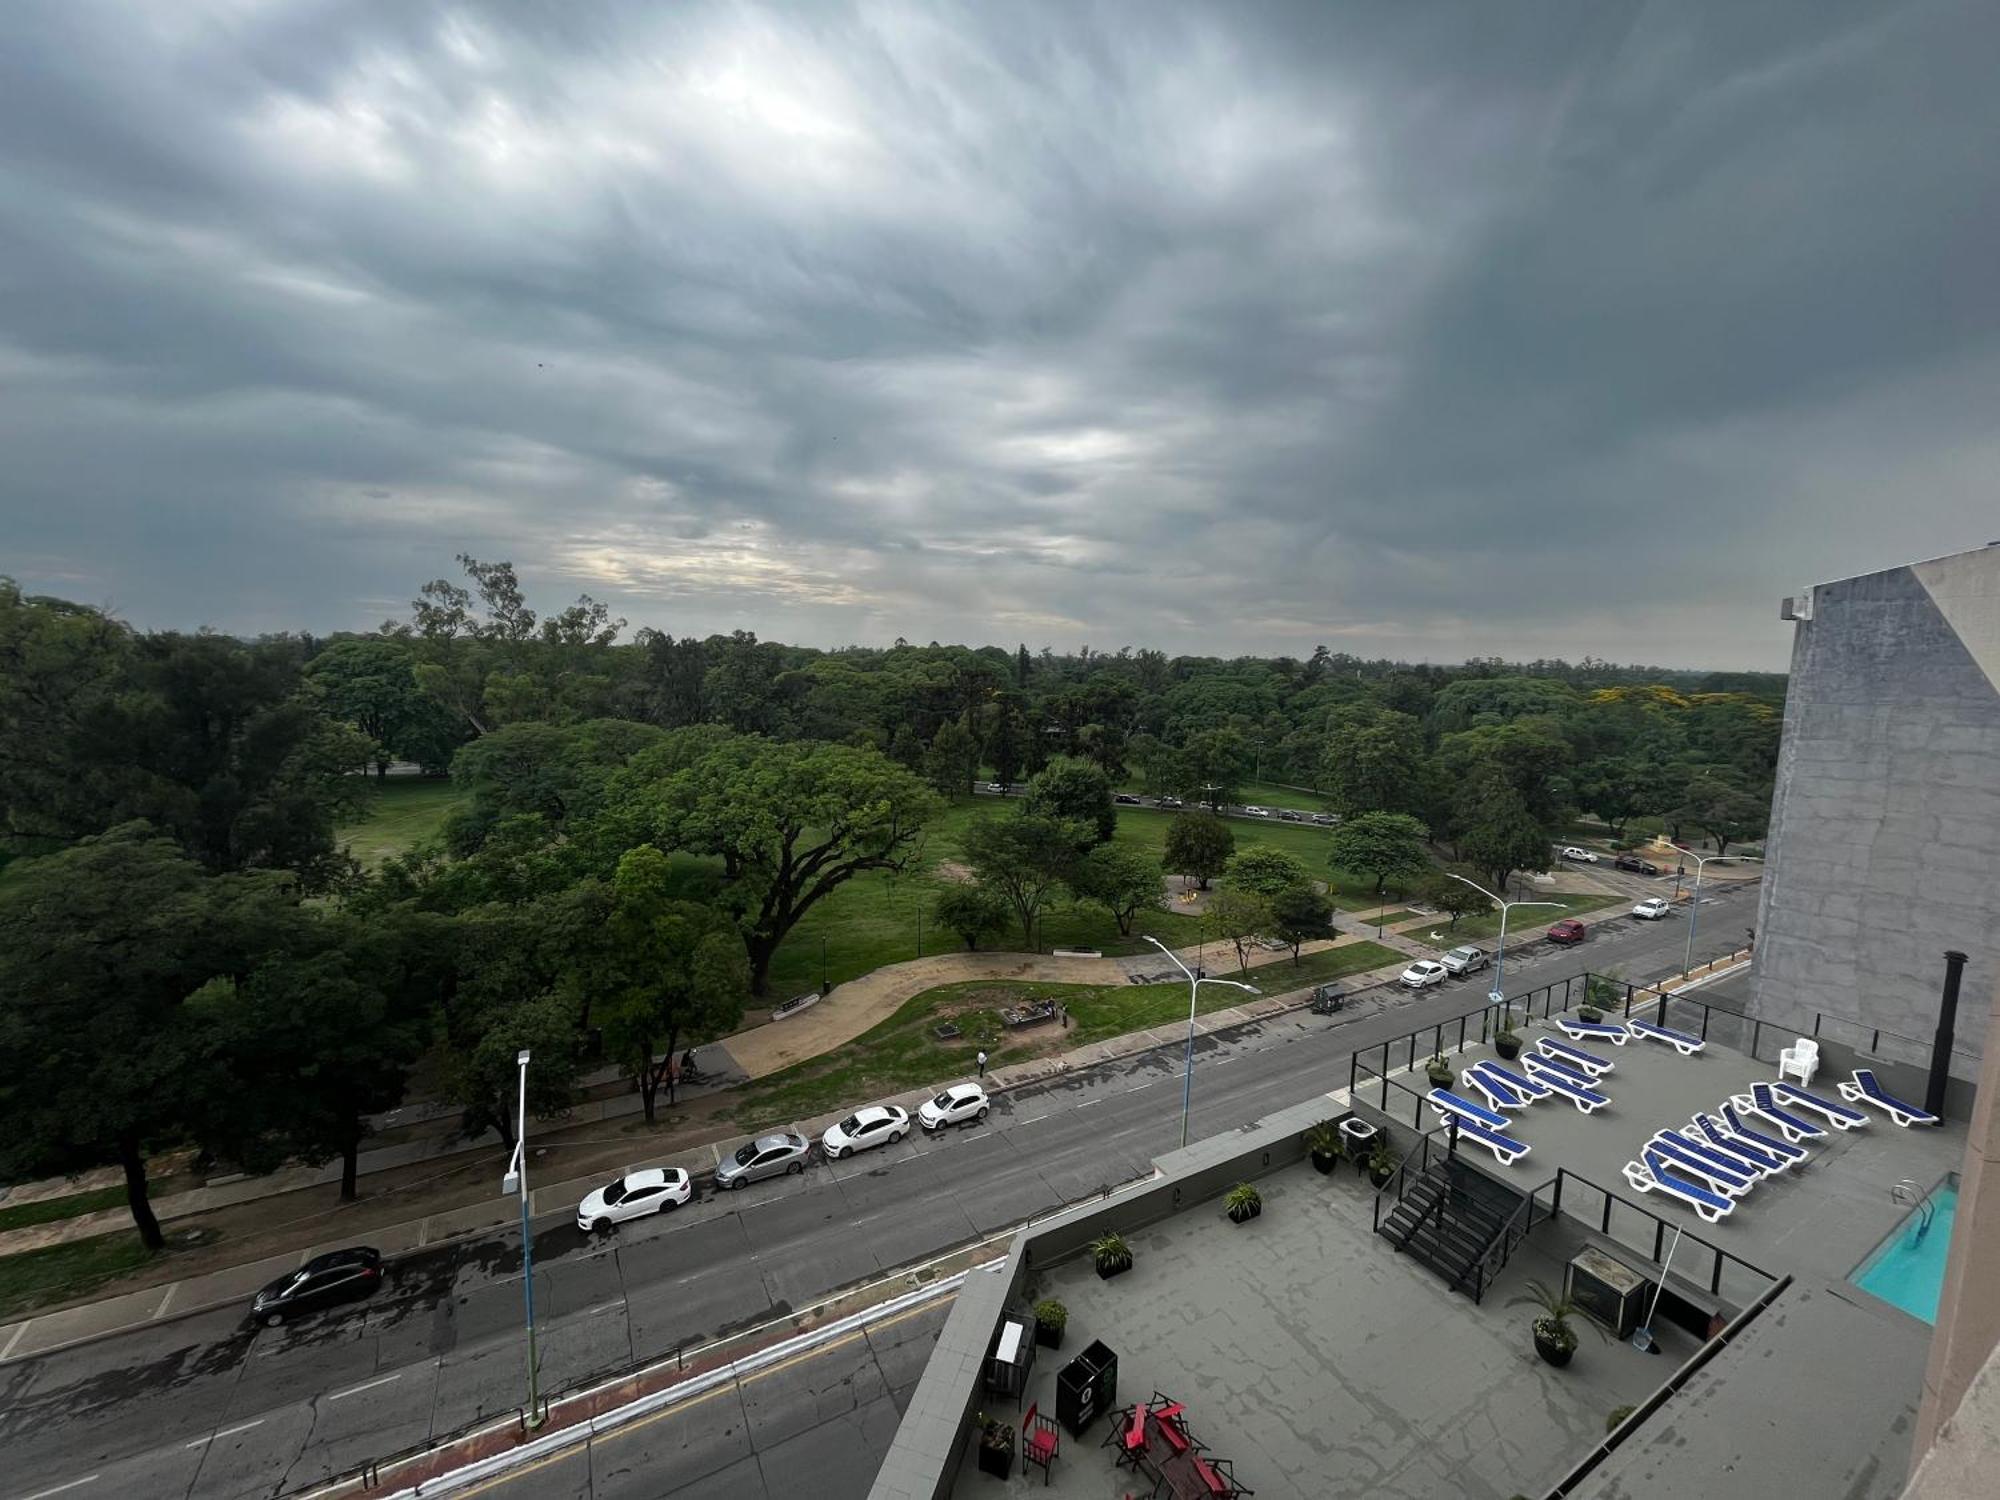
1525	926
905	1051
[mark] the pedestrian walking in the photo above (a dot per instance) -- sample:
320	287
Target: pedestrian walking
982	1062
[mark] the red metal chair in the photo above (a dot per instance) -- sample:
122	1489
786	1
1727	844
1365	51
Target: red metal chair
1220	1478
1040	1442
1127	1434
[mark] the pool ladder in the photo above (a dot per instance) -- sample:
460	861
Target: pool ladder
1919	1199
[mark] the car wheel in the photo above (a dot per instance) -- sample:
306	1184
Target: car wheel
600	1226
273	1319
980	1118
795	1168
895	1136
670	1205
837	1153
736	1182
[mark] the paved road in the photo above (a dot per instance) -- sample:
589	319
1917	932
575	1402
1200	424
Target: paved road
206	1407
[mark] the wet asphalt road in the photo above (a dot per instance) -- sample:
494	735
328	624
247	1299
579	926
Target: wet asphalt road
208	1407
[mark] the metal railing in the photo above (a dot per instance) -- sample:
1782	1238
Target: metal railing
1520	1224
1610	1203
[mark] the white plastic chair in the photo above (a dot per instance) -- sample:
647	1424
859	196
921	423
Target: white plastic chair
1800	1060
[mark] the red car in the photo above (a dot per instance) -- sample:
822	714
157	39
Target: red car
1568	930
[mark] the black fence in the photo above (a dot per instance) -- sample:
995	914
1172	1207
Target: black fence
1729	1277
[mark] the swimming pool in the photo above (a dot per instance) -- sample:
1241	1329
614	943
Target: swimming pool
1907	1269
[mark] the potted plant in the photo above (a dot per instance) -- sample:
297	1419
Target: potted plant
1323	1143
1382	1162
1508	1044
1555	1336
1438	1070
1243	1203
1111	1255
1051	1318
996	1447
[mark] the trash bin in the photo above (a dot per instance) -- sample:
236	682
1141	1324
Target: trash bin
1086	1386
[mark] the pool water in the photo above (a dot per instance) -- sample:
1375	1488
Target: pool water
1908	1270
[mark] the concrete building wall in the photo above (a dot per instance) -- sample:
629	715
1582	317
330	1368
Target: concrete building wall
1885	825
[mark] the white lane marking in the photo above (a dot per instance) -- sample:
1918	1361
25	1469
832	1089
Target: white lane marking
1088	1102
168	1300
590	1312
43	1494
226	1432
355	1390
19	1334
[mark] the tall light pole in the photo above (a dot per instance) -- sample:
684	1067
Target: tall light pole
1194	990
516	1181
1701	863
1498	994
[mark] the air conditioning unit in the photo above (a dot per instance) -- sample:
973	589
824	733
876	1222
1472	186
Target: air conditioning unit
1798	607
1609	1290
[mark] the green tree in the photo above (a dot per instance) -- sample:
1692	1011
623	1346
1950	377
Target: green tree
1500	834
671	969
1216	761
1240	918
973	912
1453	898
952	760
63	673
1121	879
1720	807
1299	914
488	1078
792	823
1005	737
1074	791
1385	845
1611	788
100	948
372	685
1373	761
1267	870
1023	857
1198	846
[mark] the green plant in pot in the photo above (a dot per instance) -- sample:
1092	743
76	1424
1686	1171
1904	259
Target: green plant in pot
1051	1318
996	1447
1111	1255
1323	1144
1438	1070
1508	1044
1382	1162
1555	1334
1243	1203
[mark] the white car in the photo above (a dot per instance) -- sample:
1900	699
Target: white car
961	1104
1464	960
1256	812
1581	856
1652	908
865	1129
997	788
1424	973
633	1196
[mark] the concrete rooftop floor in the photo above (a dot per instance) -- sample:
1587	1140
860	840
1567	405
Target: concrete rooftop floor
1322	1363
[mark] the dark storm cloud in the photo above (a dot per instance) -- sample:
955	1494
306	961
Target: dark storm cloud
1427	330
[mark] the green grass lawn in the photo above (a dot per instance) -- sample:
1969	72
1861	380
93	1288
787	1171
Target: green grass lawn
48	1210
38	1277
902	1052
402	811
1525	924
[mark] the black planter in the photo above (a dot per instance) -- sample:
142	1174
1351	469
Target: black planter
997	1460
1509	1047
1246	1214
1381	1178
1115	1268
1325	1161
1554	1351
1047	1337
1439	1080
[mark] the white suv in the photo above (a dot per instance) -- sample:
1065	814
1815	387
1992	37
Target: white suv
1464	960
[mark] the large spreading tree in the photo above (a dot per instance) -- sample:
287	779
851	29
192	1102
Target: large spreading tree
1388	846
1198	846
1024	857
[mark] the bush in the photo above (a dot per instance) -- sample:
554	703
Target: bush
1052	1315
1110	1253
1618	1414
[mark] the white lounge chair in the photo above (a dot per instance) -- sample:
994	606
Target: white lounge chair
1764	1103
1772	1155
1576	1057
1572	1087
1497	1093
1654	1174
1838	1115
1737	1125
1506	1150
1445	1102
1681	1041
1593	1031
1726	1177
1866	1090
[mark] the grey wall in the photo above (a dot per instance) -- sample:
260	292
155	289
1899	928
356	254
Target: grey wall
1885	827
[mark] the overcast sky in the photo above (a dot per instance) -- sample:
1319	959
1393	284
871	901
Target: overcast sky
1426	330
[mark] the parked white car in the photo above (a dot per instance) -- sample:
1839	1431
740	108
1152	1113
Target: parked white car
865	1129
1580	855
1424	973
1652	908
1256	812
1464	960
997	788
633	1196
961	1104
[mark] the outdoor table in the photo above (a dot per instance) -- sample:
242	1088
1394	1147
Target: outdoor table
1173	1473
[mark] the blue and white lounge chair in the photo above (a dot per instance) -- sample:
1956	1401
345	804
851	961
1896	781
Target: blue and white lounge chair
1527	1088
1761	1101
1573	1088
1506	1150
1688	1158
1866	1090
1708	1130
1445	1102
1774	1155
1498	1093
1575	1057
1838	1115
1777	1145
1549	1067
1682	1042
1593	1031
1656	1175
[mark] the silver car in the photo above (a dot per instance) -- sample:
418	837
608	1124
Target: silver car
1464	960
767	1156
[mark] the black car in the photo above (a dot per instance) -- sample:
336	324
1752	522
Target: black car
1635	864
1288	816
1126	799
339	1276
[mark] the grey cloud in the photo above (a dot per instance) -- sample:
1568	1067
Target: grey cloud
1428	330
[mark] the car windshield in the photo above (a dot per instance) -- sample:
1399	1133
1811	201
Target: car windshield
746	1154
851	1124
944	1100
616	1192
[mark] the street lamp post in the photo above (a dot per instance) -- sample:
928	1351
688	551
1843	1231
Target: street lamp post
1498	994
516	1181
1701	863
1194	990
